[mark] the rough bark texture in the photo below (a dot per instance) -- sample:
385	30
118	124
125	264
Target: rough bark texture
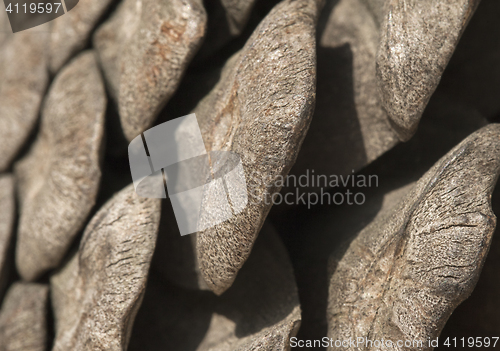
7	213
97	293
24	78
23	318
144	50
478	315
416	43
70	33
259	312
260	109
392	268
405	273
58	180
312	234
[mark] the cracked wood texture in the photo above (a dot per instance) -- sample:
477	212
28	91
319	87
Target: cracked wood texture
59	178
478	315
312	234
144	49
7	215
417	39
96	295
70	33
404	274
24	79
352	121
260	109
23	318
261	311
